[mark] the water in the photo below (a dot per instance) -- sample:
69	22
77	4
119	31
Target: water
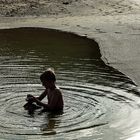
100	102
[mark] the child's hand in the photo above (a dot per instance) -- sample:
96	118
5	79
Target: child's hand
29	95
30	98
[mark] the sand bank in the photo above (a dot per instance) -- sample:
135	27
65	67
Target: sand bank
114	25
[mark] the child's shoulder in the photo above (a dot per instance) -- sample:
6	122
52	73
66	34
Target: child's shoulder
57	90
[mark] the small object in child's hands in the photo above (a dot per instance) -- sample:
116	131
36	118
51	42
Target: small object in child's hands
29	98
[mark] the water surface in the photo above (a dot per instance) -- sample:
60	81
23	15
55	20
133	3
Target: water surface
100	102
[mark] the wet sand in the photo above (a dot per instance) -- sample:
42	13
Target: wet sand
114	25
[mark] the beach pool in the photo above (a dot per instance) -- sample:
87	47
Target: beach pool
101	103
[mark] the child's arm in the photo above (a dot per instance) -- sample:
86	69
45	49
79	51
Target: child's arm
42	96
31	98
38	102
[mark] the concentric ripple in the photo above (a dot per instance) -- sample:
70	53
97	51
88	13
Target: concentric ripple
100	102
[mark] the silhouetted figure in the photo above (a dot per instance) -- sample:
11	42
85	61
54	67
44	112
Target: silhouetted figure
53	93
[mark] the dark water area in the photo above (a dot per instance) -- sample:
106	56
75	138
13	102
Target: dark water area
100	102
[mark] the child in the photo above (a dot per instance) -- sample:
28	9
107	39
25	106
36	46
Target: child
53	93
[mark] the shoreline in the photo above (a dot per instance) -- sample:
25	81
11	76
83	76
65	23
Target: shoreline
117	36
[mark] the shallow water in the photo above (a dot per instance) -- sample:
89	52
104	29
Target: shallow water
100	102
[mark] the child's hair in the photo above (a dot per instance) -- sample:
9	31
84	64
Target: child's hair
48	75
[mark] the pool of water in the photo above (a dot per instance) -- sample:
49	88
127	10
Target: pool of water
100	102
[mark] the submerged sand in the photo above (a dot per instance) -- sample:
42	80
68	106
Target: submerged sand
114	24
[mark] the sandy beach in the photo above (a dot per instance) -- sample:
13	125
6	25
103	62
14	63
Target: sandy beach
114	25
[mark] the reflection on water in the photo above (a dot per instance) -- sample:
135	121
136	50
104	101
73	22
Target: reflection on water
99	101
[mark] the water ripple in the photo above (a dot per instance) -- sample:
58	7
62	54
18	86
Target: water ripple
100	102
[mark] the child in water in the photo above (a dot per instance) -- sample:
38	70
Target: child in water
53	93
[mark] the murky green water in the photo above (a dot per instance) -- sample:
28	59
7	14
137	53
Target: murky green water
99	101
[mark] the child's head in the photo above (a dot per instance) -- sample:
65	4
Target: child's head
48	76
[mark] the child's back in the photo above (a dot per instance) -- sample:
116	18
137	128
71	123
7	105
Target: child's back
55	99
